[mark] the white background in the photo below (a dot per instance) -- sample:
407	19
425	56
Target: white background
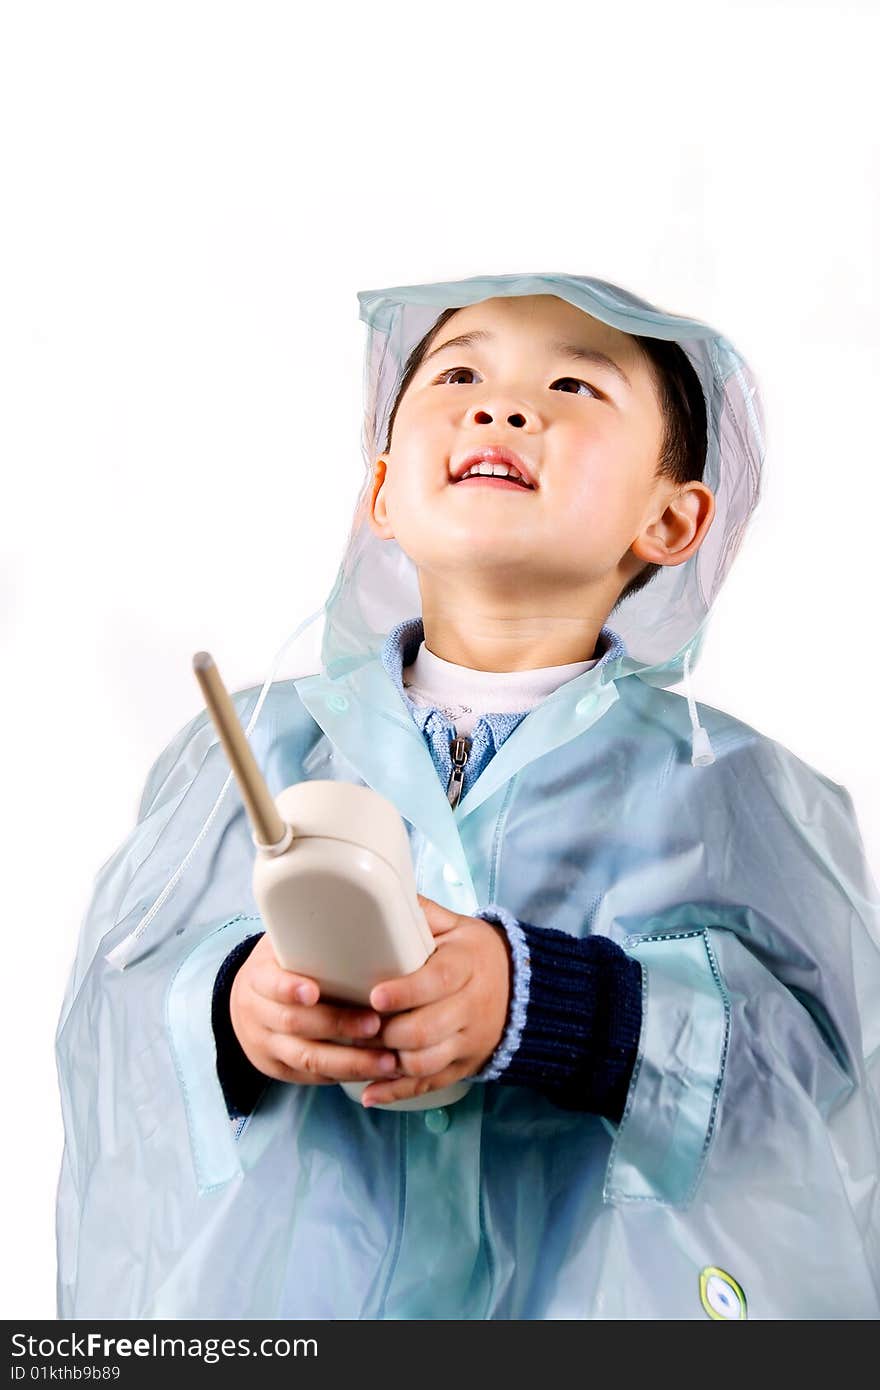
192	195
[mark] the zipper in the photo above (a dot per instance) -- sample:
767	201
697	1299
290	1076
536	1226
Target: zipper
459	750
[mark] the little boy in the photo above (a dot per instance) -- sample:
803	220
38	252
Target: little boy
657	954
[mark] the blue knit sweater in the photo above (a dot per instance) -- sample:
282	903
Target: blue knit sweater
575	1011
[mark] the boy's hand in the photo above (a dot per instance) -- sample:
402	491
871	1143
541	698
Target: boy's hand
278	1033
448	1016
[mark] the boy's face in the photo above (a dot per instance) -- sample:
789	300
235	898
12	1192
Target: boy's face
590	440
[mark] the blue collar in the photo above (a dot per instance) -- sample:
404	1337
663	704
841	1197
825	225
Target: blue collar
401	647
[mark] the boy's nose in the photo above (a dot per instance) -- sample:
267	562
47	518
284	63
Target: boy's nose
484	417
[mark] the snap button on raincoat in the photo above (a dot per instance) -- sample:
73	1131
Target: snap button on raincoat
742	1180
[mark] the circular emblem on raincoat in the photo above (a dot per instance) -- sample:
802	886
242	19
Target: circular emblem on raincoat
721	1296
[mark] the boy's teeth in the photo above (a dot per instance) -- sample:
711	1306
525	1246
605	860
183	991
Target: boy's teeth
498	470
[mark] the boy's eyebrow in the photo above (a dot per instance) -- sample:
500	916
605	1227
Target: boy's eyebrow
572	350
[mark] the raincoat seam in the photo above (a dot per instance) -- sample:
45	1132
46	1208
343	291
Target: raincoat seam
636	938
672	757
722	1067
485	1242
401	1211
498	837
418	866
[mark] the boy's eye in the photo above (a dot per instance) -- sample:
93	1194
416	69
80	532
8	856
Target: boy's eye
454	371
577	381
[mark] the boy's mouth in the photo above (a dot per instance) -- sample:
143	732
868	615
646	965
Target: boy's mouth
496	465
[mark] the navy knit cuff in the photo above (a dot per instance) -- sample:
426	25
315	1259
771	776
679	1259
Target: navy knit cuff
583	1018
242	1083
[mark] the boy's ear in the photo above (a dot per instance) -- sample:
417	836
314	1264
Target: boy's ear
378	517
680	530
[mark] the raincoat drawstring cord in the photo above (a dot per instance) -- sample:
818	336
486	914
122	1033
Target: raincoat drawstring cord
701	754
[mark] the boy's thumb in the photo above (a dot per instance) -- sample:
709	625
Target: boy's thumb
440	919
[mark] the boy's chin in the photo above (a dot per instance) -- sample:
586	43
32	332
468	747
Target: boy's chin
478	563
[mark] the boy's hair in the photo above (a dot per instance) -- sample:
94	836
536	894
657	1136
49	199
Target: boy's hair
683	451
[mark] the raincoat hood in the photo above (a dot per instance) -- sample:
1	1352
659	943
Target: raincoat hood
660	624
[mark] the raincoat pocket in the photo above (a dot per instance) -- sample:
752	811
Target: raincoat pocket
212	1136
663	1139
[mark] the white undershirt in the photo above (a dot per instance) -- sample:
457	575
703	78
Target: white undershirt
463	694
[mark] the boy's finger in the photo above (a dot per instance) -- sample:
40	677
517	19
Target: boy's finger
284	986
444	973
431	1060
418	1029
381	1092
336	1060
439	918
319	1020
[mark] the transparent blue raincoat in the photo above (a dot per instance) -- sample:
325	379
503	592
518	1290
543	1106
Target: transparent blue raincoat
742	1179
